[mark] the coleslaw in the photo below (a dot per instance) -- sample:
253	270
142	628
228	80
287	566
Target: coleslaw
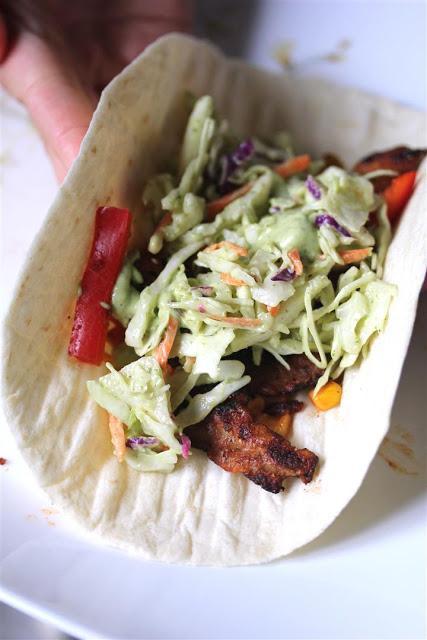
263	250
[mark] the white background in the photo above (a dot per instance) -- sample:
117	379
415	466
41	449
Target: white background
365	577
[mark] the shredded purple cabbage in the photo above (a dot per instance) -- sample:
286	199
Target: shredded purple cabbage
313	187
325	218
284	275
186	446
202	308
229	163
143	441
244	152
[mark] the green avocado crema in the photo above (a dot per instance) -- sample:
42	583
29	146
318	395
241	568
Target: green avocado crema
291	230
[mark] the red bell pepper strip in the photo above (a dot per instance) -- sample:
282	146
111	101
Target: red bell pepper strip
88	336
398	193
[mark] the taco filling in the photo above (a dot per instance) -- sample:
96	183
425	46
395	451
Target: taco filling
262	279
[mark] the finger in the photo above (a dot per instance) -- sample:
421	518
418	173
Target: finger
124	30
59	107
150	20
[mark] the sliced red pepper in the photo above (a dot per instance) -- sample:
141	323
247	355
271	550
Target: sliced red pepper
398	193
88	336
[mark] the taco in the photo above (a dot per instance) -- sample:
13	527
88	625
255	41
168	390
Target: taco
221	274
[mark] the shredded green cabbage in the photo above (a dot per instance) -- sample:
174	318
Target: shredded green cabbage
155	190
148	299
137	395
202	404
206	349
202	111
125	297
349	198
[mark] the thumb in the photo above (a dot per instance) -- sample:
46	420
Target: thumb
59	107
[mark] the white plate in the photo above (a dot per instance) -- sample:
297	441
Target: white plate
364	578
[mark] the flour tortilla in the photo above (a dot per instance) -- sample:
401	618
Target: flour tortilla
199	514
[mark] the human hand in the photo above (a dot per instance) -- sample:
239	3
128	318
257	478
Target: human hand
58	72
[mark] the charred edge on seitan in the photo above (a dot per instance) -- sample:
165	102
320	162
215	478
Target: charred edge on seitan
238	444
399	159
271	379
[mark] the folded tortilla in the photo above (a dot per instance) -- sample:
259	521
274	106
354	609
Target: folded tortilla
199	514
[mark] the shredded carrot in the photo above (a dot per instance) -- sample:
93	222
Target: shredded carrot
164	221
216	206
189	362
295	258
240	251
292	166
118	439
273	311
168	371
279	424
242	322
108	349
355	255
235	282
163	350
327	397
